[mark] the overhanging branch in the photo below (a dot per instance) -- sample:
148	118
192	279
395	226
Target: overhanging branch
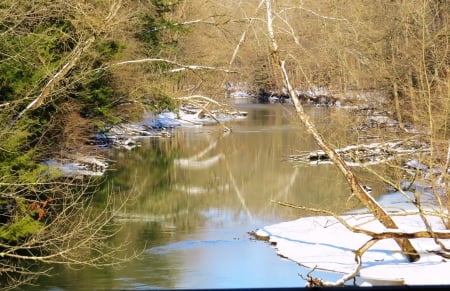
181	67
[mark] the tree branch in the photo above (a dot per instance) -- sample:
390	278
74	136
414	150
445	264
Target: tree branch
180	66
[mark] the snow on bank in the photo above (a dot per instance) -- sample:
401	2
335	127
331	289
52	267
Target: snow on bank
127	136
77	167
322	242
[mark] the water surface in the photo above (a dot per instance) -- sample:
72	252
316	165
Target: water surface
199	193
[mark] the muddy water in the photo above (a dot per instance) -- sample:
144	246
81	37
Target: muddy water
196	196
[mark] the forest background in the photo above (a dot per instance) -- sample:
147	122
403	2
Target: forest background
71	69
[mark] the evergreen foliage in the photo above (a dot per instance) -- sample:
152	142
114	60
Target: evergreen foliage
159	33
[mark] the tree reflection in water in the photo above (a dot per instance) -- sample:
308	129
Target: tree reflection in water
199	193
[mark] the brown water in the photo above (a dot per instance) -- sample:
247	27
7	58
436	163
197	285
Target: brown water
199	193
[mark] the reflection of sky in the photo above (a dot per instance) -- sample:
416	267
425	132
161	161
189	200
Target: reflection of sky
238	264
229	264
227	258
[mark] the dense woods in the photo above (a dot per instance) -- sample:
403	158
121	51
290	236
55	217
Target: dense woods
71	69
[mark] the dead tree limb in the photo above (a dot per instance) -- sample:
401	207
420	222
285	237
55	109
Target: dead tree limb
357	190
317	282
73	59
444	172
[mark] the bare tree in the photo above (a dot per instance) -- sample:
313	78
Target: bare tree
63	227
357	189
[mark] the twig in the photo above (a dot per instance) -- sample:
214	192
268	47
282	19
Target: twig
317	282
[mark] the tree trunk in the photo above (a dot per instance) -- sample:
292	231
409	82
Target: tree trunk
398	111
373	206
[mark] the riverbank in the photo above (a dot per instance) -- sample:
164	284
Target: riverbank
128	135
356	244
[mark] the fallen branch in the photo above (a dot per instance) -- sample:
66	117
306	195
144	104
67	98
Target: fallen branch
204	108
363	155
317	282
185	23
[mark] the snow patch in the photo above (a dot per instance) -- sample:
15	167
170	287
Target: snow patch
322	242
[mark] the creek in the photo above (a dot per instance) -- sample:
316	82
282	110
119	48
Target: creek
198	194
